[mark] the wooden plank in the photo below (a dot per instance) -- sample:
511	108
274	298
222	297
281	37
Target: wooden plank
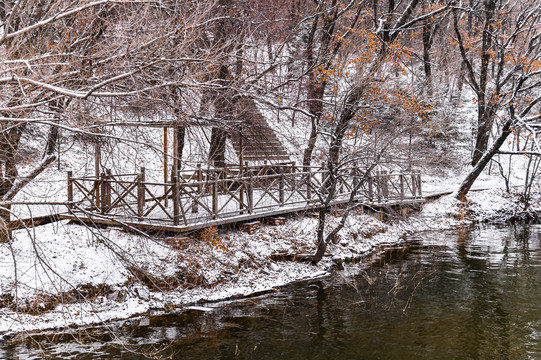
32	222
70	189
276	220
178	243
250	227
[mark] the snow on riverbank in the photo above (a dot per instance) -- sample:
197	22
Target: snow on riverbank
64	274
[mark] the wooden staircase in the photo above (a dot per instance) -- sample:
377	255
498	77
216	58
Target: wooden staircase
257	140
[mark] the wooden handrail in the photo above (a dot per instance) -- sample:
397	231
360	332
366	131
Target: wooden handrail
213	194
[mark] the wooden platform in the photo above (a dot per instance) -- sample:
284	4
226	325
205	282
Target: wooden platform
217	197
148	225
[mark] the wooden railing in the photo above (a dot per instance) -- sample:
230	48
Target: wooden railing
204	194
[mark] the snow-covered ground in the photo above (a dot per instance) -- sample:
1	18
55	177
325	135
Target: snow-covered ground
57	258
117	275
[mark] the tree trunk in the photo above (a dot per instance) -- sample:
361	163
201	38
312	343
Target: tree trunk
9	145
224	112
178	144
52	140
307	157
321	242
485	109
335	148
315	105
329	185
427	44
224	94
484	127
217	147
316	86
466	185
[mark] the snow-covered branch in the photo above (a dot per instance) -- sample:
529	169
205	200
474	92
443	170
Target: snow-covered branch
66	13
23	181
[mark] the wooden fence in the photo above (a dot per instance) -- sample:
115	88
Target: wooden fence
208	194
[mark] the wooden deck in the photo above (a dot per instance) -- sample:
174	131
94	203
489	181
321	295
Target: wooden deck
212	197
200	223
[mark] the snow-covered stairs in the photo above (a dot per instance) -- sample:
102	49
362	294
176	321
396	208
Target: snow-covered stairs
258	141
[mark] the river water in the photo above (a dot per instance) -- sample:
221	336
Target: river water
467	294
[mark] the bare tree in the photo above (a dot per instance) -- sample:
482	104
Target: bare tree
398	19
505	78
92	52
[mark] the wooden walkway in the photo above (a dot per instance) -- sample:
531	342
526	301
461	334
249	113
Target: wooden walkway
211	197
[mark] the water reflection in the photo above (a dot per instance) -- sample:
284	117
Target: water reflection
467	294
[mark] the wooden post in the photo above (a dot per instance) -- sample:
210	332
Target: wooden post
293	182
176	200
223	176
250	193
176	164
419	187
141	193
385	179
103	191
143	175
178	146
413	185
355	175
370	188
199	178
309	184
165	164
241	145
401	186
97	157
242	188
97	160
97	190
378	186
215	196
388	185
281	187
70	190
108	197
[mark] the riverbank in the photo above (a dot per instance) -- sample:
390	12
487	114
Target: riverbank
70	275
